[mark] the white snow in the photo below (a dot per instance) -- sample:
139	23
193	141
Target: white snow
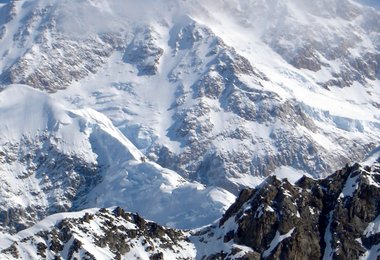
370	3
22	117
328	239
142	107
44	225
159	194
211	242
372	228
287	172
277	240
87	233
373	157
371	181
350	186
371	254
247	181
154	192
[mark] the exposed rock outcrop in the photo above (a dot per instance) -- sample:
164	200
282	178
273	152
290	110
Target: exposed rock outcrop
333	218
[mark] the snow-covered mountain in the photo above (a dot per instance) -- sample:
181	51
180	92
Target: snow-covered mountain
332	218
221	92
56	160
168	108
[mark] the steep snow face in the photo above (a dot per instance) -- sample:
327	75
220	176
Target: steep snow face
222	92
54	159
333	43
27	114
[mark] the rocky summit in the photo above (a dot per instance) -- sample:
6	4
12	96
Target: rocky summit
99	234
332	218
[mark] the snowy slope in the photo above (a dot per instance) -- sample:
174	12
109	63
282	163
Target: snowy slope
54	159
224	93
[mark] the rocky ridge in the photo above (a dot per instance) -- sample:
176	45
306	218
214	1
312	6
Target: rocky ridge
102	234
332	218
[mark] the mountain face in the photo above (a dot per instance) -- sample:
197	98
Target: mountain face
171	109
331	218
57	160
223	93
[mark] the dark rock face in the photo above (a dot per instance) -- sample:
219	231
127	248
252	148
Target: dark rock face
313	219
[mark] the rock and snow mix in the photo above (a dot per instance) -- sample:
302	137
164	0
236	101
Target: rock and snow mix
170	109
222	93
55	159
308	220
